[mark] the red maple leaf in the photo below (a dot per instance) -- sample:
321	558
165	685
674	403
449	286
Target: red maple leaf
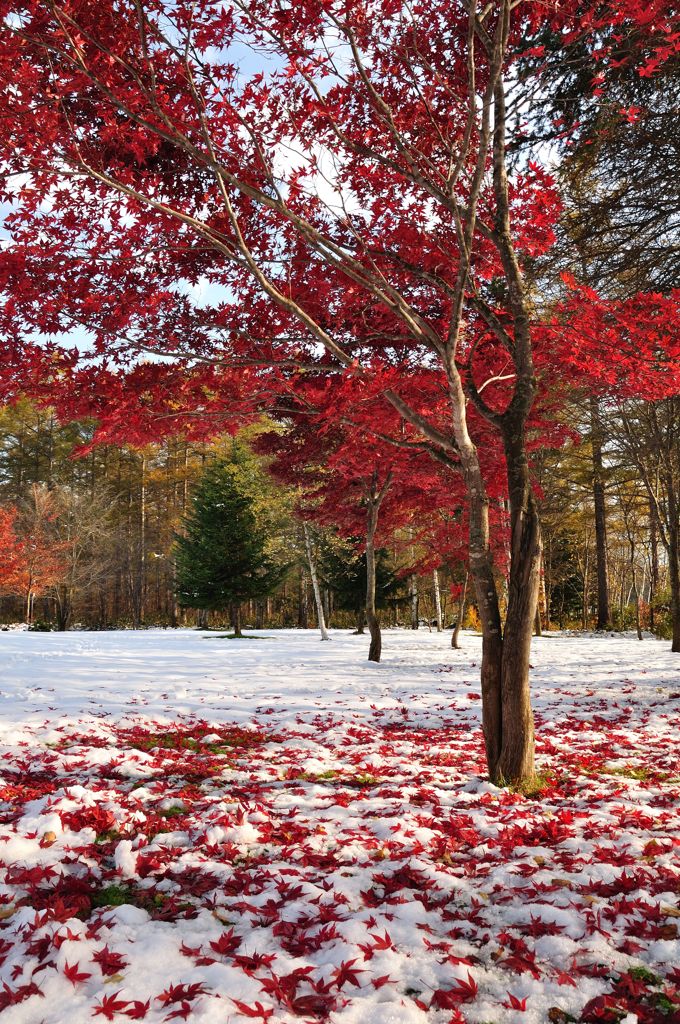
109	962
346	972
448	999
181	993
514	1003
110	1006
137	1010
73	974
256	1010
226	943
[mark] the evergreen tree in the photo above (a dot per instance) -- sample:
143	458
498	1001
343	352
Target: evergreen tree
220	558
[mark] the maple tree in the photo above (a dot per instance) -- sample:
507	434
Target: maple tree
362	474
46	556
34	560
351	209
12	558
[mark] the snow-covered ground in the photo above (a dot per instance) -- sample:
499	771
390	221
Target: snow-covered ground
274	829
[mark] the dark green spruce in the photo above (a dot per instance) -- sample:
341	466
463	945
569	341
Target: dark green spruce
220	557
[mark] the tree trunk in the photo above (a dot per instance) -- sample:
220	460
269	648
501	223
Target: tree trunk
320	618
603	609
303	603
236	618
374	500
375	648
361	618
586	586
654	566
413	594
63	608
455	635
516	761
674	579
541	603
437	600
481	570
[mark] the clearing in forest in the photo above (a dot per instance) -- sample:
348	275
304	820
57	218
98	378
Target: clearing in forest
217	831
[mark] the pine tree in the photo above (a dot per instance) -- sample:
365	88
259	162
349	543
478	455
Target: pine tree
220	558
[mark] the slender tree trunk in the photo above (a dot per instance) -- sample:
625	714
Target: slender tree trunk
141	591
437	601
674	579
586	583
654	566
63	606
236	618
636	595
603	609
320	618
541	603
413	594
375	648
303	603
458	625
374	500
361	618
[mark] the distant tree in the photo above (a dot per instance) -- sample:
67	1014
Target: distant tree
220	558
81	523
344	572
34	558
12	554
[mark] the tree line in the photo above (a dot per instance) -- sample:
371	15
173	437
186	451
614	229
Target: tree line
103	533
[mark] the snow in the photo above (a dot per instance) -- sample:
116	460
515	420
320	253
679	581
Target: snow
213	830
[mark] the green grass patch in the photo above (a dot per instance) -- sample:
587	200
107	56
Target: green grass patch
173	812
113	896
645	975
535	787
107	837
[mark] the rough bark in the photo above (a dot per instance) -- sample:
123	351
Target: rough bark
516	760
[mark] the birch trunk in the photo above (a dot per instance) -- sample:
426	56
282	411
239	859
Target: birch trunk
320	617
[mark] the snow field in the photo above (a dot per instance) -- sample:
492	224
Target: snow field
210	830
